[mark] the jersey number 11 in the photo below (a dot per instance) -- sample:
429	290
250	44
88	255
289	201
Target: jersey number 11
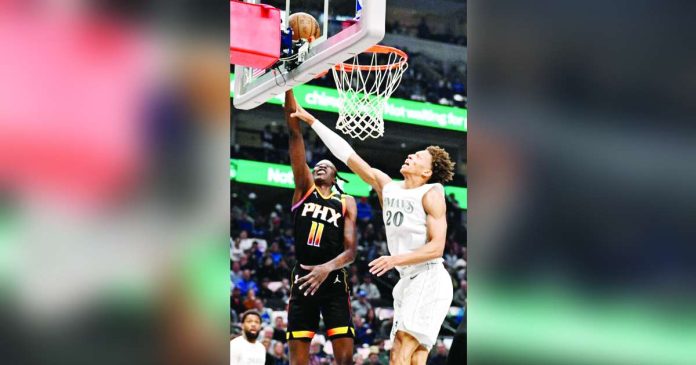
315	234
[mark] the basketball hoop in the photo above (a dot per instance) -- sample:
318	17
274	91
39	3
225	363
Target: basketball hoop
364	85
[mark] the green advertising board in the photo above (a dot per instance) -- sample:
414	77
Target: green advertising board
269	174
396	110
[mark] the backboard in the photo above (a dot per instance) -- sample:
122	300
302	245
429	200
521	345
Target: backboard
253	87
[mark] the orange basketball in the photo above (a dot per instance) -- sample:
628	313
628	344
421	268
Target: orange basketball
304	26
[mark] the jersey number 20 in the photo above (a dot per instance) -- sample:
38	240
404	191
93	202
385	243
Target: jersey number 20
315	234
395	218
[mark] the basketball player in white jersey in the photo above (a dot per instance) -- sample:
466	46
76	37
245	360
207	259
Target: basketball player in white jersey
416	226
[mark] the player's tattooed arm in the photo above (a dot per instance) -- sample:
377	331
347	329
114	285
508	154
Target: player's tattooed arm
436	223
344	152
300	170
318	273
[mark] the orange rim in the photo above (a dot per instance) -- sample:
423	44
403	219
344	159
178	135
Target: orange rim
376	49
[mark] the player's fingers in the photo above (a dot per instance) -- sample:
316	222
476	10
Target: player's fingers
303	279
309	290
306	267
312	289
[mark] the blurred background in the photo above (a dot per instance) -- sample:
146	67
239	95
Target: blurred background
261	241
114	144
581	171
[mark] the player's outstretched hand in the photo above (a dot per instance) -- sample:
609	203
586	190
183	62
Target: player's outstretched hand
303	115
381	265
317	274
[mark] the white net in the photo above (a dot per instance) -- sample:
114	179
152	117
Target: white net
364	85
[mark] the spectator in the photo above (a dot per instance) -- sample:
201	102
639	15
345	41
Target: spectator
268	270
256	252
373	358
245	284
275	253
283	270
363	333
358	359
268	332
287	238
440	355
236	251
364	210
266	342
383	354
245	263
361	306
317	356
244	241
371	320
354	284
279	332
236	301
265	312
245	350
250	300
279	357
371	290
235	273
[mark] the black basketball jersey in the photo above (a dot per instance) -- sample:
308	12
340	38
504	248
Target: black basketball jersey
318	226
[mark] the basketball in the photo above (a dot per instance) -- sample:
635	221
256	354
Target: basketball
304	26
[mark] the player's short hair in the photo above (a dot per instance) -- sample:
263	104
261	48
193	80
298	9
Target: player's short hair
251	312
442	166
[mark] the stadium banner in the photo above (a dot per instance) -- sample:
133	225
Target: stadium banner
396	110
270	174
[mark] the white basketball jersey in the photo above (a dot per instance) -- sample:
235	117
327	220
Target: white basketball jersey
405	218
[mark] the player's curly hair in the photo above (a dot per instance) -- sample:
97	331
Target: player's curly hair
442	166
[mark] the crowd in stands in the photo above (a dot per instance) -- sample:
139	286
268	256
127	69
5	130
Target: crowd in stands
274	147
262	253
431	80
423	30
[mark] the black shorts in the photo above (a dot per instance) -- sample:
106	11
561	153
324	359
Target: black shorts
332	301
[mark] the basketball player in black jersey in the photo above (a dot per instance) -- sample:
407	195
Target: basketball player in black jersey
324	226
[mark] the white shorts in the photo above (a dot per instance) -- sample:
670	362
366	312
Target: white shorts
421	303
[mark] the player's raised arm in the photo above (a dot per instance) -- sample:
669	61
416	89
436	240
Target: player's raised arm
300	170
344	152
